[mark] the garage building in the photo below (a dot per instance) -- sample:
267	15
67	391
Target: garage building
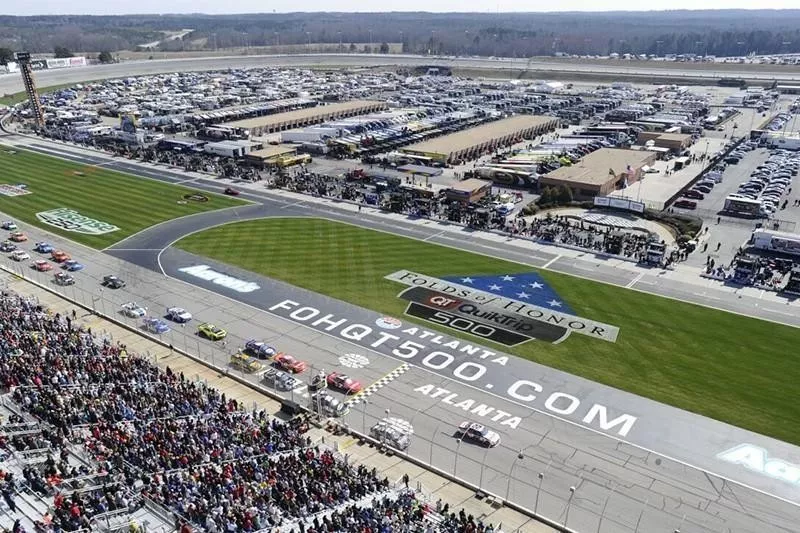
473	142
600	172
269	155
307	117
674	142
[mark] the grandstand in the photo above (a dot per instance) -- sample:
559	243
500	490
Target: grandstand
96	438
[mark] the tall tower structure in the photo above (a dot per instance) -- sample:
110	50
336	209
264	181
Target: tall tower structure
24	61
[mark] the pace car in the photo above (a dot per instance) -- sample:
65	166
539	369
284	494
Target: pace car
7	246
211	332
113	282
477	433
155	325
262	350
343	383
288	363
62	278
245	363
18	236
133	310
179	315
42	266
71	265
43	247
9	225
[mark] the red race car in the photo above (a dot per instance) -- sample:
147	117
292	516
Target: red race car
231	191
343	383
288	363
42	266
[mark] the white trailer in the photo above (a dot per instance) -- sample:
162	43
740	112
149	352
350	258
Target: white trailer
776	241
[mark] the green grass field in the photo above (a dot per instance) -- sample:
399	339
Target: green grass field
126	201
15	98
736	369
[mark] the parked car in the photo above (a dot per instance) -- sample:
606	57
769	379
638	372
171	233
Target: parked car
685	204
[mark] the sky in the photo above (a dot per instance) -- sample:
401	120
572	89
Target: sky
119	7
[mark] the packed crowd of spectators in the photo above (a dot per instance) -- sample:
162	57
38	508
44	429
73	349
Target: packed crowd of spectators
152	435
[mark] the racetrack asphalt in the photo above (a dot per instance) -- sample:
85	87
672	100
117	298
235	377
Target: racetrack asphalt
605	470
12	83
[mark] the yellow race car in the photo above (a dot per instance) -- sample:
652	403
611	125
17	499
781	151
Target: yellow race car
211	332
246	363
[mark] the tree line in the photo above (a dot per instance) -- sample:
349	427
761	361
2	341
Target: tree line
719	33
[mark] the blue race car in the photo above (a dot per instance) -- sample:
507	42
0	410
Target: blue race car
71	265
155	325
262	350
43	247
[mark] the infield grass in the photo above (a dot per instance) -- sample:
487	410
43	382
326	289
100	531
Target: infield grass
128	202
739	370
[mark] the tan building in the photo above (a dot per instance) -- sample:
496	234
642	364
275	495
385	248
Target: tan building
674	142
600	172
469	190
270	155
307	117
471	143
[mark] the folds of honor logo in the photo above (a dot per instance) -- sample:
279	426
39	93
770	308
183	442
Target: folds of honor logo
509	308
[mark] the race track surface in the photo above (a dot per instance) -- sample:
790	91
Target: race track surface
12	83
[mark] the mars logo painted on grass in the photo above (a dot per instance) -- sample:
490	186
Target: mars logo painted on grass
509	309
71	220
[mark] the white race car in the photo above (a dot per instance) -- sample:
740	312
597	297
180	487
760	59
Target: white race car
179	315
133	310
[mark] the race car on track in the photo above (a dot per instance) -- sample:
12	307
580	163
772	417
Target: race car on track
59	256
262	350
245	363
211	332
62	278
231	191
71	265
133	310
9	225
7	246
18	236
286	362
477	433
20	255
343	383
280	380
113	282
41	265
43	247
179	315
155	325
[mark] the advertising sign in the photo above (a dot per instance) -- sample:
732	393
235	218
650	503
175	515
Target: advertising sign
71	220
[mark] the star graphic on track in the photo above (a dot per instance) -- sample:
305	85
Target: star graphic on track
508	278
523	295
554	303
535	285
466	280
494	287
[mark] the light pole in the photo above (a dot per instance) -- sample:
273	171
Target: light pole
364	415
569	501
370	40
458	452
511	470
340	40
538	491
277	38
483	466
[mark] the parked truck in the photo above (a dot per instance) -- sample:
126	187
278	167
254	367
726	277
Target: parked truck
776	241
